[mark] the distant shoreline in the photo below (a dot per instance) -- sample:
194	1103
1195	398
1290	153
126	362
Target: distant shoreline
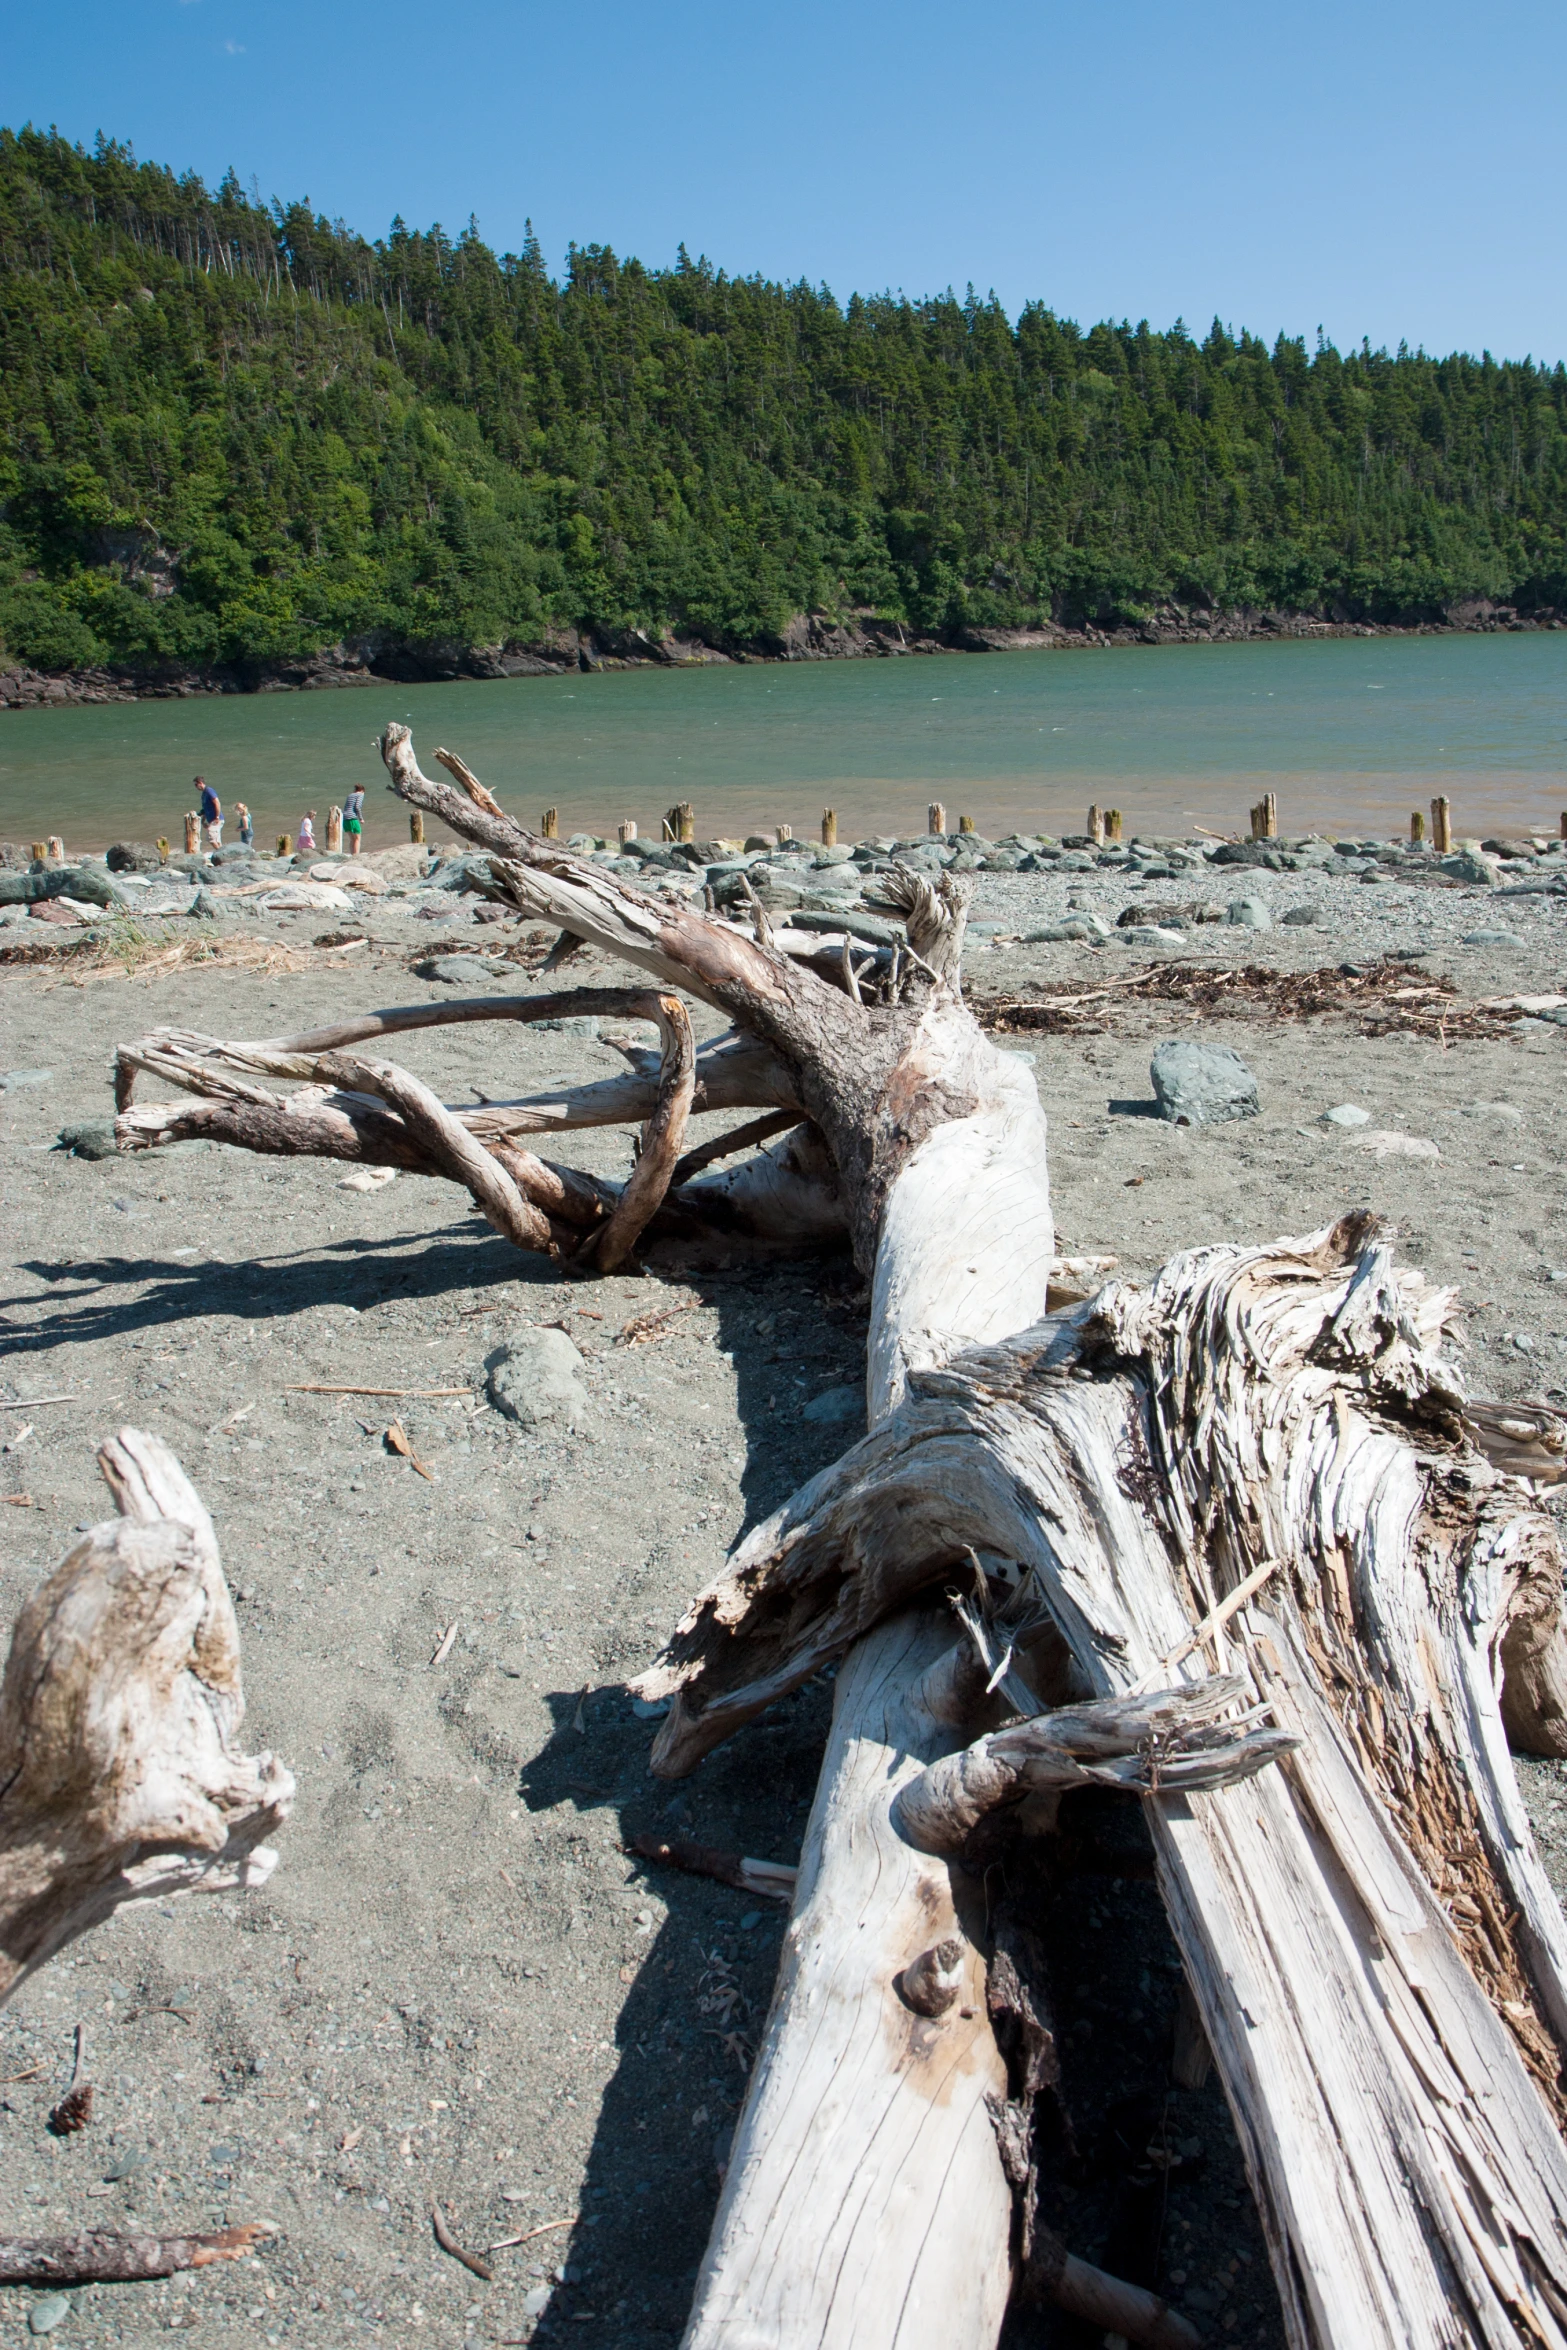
811	637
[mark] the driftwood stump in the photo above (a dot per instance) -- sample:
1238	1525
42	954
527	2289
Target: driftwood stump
120	1779
1234	1541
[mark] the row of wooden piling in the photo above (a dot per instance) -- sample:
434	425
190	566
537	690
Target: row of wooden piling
679	824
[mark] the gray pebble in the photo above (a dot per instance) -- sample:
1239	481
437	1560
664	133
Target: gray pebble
463	970
1303	917
1202	1084
1491	938
49	2311
13	1078
1150	934
1347	1114
535	2301
576	1024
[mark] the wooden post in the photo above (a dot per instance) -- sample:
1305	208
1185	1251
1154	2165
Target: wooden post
1564	824
628	831
1417	828
285	844
1095	827
192	832
549	824
1270	816
1112	824
56	849
416	827
935	817
830	827
785	833
680	821
334	832
1442	825
965	824
163	850
40	852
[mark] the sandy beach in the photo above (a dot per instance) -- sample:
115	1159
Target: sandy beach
460	1984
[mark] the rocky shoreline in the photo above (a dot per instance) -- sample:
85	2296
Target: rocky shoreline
812	636
1167	897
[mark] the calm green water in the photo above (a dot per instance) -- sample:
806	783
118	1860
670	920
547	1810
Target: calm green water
1350	735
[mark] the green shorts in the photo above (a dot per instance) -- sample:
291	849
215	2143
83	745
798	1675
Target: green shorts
352	824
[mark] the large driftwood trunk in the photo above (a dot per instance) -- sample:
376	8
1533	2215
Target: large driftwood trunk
1376	1955
1247	1506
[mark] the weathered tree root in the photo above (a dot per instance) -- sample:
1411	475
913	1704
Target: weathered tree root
120	1779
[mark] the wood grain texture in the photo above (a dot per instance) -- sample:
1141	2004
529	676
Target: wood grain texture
865	2206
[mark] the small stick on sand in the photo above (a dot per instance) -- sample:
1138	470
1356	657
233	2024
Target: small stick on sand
96	2258
507	2242
448	2243
314	1389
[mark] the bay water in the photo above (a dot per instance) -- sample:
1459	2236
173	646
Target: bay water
1350	734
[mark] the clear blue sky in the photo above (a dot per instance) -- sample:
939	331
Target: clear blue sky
1384	169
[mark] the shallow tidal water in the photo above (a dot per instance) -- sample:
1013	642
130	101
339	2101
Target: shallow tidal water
1350	734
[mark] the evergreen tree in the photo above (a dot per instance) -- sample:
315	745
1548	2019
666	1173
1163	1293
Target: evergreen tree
236	432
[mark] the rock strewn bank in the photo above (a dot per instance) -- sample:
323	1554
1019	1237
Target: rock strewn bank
808	637
1168	896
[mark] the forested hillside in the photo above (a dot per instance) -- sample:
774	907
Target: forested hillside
234	434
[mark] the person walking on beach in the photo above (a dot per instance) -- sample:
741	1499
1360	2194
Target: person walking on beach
307	833
247	830
353	820
211	814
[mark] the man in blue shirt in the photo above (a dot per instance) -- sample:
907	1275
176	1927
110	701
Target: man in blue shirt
211	813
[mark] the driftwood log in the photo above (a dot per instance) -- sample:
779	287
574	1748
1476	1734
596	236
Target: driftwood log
120	1776
1235	1541
121	1780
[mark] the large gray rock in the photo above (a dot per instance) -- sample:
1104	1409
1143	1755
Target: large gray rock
866	926
95	1140
1469	865
835	1407
1076	926
1202	1084
537	1376
132	856
1491	938
86	882
1250	914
